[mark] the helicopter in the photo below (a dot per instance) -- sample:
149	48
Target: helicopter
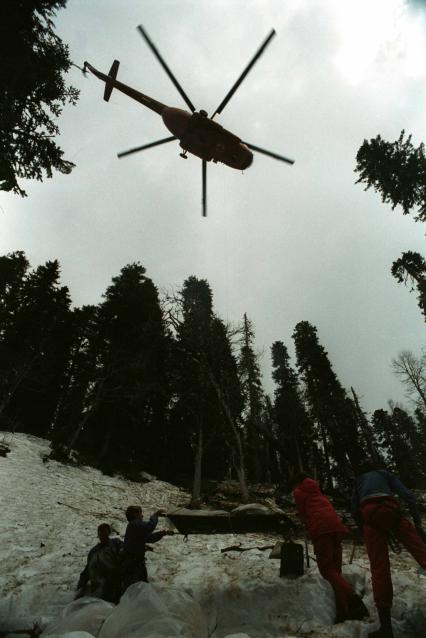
197	133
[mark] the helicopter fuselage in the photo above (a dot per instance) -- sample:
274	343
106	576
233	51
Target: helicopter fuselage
197	134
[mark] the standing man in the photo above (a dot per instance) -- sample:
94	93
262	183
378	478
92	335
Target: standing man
138	533
377	514
326	531
101	577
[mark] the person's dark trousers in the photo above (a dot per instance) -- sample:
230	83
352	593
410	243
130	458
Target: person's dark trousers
328	552
385	630
381	517
133	573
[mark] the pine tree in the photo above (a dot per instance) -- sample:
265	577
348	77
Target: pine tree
364	427
223	376
251	385
420	424
190	415
13	269
81	373
294	428
411	267
33	63
35	347
397	170
207	400
329	406
398	438
125	409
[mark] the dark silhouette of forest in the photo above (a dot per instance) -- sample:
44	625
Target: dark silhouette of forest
136	383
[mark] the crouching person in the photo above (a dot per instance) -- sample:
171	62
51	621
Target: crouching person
326	531
378	515
101	578
138	533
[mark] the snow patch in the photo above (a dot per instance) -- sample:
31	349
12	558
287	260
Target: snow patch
50	513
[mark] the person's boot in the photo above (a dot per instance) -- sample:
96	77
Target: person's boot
356	608
385	630
340	617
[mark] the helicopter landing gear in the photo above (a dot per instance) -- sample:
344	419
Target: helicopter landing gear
184	155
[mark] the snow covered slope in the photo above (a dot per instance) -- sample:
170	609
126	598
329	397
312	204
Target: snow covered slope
49	515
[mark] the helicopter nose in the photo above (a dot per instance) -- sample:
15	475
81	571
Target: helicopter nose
246	156
176	120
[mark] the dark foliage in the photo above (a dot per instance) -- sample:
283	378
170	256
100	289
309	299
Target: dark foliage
397	170
33	62
329	406
122	423
400	440
129	386
252	392
34	343
411	267
294	428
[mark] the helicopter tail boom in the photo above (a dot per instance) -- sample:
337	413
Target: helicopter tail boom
111	82
113	75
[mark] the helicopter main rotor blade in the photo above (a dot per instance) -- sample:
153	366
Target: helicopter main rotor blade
142	148
270	153
204	197
244	73
165	67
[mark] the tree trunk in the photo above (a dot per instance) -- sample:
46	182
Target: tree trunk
240	466
86	417
298	456
196	485
267	457
365	429
105	446
327	458
253	419
20	376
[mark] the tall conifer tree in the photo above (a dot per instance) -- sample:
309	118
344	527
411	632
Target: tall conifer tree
397	436
295	430
126	405
251	385
35	344
33	63
329	406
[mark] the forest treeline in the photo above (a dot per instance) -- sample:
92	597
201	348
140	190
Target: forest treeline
166	386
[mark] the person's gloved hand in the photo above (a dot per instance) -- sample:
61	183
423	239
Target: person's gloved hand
168	532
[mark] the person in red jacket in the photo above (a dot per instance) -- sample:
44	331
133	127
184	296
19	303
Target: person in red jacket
326	531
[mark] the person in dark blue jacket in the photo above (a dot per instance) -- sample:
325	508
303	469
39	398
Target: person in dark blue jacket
377	513
101	577
138	533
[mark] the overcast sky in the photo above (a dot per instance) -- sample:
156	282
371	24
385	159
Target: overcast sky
282	243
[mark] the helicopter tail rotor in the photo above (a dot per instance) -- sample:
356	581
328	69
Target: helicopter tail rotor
113	75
